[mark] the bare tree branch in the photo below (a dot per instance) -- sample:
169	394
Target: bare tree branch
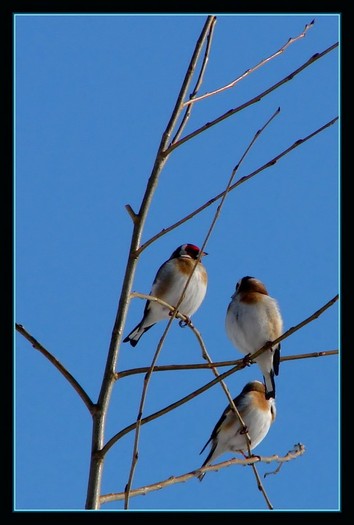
293	454
268	164
200	366
233	173
274	472
71	379
254	68
260	486
255	99
323	353
198	83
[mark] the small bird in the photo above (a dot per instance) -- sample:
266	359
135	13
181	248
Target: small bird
168	285
258	414
253	319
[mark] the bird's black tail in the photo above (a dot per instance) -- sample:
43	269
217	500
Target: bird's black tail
269	385
136	333
276	360
207	461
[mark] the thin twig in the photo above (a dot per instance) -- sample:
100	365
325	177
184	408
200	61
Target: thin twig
310	355
153	299
200	366
252	101
261	487
273	471
291	455
268	164
210	384
233	173
198	83
172	480
254	68
71	379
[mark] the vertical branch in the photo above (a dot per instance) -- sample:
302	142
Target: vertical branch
198	83
260	486
99	418
179	104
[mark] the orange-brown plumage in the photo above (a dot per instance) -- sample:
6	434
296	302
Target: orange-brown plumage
258	414
252	320
170	284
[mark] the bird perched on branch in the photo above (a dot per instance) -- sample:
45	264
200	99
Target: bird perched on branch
252	320
168	286
257	413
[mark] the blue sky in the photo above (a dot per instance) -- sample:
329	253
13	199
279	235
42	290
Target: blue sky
93	95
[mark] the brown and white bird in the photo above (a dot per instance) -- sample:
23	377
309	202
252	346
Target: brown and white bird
168	285
253	318
258	414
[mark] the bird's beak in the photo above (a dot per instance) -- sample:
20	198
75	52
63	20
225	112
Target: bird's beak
204	253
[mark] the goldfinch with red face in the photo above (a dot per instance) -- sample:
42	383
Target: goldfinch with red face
168	285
